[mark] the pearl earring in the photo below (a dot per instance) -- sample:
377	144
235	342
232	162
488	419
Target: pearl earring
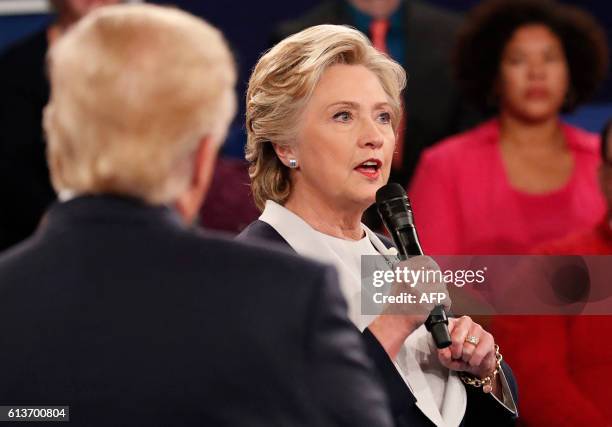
293	163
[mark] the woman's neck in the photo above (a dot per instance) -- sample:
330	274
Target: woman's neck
536	157
536	137
332	220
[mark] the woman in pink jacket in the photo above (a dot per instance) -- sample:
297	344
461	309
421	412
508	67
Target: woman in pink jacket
524	177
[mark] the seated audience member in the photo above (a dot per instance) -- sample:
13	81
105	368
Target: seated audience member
319	150
25	187
569	387
525	177
598	240
114	306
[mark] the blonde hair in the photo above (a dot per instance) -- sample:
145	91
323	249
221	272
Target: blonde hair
283	82
134	89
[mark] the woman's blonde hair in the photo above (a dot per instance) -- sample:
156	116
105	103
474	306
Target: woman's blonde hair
283	82
134	89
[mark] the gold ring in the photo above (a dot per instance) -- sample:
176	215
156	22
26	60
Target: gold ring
472	339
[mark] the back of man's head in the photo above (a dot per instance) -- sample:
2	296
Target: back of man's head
135	89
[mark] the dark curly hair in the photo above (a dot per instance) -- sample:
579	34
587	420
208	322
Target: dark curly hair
489	27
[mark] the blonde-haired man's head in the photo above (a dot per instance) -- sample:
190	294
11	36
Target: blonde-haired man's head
138	93
282	84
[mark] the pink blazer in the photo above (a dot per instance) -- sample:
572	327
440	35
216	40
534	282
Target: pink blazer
464	204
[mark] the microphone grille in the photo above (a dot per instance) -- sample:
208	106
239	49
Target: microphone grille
390	191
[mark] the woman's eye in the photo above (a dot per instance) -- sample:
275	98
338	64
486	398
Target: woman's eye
515	59
342	116
384	118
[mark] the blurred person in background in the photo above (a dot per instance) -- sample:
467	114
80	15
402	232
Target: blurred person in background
25	186
115	306
420	37
323	111
569	385
598	240
229	205
525	177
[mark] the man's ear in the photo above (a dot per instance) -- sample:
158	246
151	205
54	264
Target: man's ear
285	153
188	204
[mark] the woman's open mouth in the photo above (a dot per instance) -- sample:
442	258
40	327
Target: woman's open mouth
370	168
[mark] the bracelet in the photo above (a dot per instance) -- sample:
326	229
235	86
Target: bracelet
487	382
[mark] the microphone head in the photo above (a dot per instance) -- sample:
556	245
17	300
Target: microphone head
396	213
390	191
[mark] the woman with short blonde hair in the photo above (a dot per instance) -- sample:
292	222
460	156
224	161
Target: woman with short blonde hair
323	110
282	83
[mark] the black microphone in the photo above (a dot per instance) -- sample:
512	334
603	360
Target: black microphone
396	213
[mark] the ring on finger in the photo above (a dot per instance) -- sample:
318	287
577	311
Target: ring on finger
472	339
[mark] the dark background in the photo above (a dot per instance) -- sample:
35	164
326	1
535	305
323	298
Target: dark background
248	24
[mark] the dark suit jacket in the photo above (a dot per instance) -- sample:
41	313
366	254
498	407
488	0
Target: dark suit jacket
115	309
432	101
482	409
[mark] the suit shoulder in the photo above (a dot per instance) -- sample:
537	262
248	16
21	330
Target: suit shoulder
11	258
264	233
262	257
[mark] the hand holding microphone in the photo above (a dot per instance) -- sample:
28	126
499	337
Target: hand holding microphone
396	213
470	349
397	321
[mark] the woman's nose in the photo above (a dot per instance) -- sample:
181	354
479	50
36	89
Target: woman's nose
370	134
537	69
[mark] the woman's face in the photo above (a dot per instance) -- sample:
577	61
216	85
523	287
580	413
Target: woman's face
534	76
345	140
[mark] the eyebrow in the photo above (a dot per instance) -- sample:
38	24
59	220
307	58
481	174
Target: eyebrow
548	47
355	105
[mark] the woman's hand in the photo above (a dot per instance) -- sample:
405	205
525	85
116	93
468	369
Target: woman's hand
426	281
472	350
398	321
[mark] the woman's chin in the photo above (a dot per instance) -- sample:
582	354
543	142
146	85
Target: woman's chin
365	200
536	113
